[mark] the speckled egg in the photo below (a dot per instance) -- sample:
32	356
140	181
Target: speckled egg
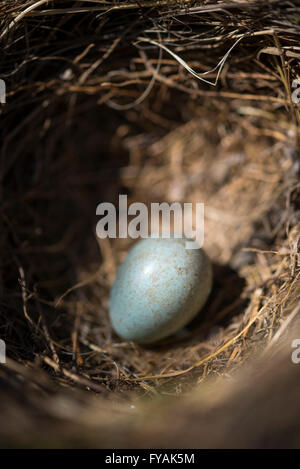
159	288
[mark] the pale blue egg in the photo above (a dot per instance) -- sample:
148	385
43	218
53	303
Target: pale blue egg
159	288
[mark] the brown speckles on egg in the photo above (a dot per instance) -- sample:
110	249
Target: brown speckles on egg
158	289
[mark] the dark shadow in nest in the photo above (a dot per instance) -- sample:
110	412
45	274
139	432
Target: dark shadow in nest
52	188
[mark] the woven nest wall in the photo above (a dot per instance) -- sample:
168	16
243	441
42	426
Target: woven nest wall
182	101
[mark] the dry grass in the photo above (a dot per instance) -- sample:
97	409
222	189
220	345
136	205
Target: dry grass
181	101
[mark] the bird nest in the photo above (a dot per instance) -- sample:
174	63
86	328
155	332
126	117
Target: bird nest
184	101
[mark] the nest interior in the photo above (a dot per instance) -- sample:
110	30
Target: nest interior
162	101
